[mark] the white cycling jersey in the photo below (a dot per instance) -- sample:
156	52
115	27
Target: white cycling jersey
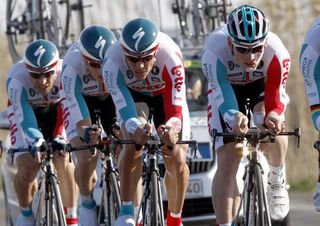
310	68
166	78
23	99
76	83
222	71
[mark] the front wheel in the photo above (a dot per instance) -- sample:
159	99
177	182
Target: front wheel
110	205
55	215
152	209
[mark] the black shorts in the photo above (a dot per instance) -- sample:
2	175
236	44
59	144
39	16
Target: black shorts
155	105
253	91
47	127
107	110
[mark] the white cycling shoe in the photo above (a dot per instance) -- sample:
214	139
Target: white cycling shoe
278	200
316	200
23	221
88	217
125	220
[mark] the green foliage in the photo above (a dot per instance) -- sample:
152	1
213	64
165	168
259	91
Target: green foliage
303	185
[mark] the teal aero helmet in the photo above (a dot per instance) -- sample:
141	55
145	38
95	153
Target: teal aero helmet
247	25
41	56
95	40
139	37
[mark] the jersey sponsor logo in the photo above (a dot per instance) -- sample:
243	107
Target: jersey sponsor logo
306	64
138	36
55	90
86	78
257	74
13	129
231	65
285	65
155	79
235	75
39	53
129	74
100	45
13	95
152	87
32	92
90	87
155	70
178	82
108	78
65	115
260	65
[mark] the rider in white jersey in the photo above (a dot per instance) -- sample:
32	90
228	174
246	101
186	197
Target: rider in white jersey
33	91
146	69
310	68
244	60
83	93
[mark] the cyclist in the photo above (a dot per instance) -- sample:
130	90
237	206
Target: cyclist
249	62
309	66
33	91
84	92
145	68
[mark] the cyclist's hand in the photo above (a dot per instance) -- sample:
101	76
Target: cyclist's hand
168	135
240	124
37	146
92	134
142	133
60	144
115	131
274	122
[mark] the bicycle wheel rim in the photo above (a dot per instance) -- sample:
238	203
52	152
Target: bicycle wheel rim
154	199
57	203
250	200
17	39
112	197
263	213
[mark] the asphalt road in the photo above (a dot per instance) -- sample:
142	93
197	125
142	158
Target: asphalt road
302	212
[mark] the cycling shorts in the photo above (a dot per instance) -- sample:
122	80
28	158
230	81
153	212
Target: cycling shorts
153	108
253	91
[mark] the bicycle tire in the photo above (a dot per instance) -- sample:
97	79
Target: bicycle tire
38	203
263	216
8	219
18	29
250	200
255	203
55	216
152	213
111	201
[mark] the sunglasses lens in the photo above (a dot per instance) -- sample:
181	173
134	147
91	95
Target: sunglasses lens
257	49
133	59
137	59
147	58
242	49
35	75
39	75
94	64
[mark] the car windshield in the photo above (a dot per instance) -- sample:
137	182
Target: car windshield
196	84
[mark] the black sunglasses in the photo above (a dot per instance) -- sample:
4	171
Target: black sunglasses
246	50
137	59
93	64
39	75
